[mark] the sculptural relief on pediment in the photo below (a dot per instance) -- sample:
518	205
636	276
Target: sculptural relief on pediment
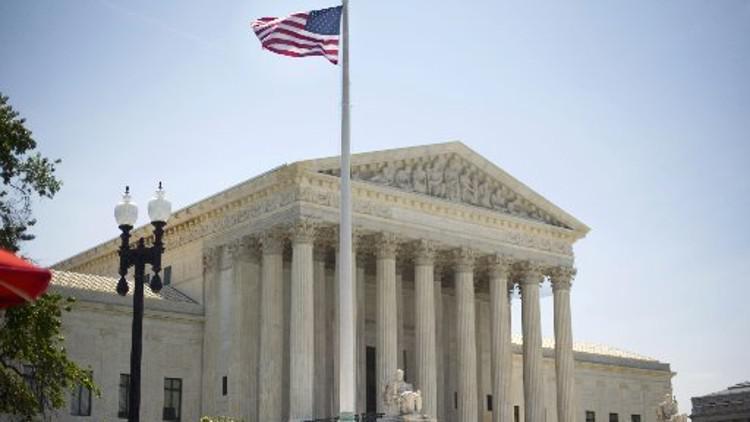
452	178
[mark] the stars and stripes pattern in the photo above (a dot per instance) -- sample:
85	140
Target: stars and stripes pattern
304	34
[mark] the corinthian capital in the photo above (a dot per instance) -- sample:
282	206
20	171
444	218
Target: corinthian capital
245	249
499	266
529	272
304	231
464	259
424	252
562	277
386	245
272	241
211	259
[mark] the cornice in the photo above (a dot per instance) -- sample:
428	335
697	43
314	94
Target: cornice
266	194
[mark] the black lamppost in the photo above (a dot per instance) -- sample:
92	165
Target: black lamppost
126	214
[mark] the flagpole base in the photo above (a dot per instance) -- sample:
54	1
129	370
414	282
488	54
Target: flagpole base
346	417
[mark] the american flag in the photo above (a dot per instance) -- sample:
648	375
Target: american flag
314	33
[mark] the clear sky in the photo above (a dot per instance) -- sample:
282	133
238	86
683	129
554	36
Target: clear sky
634	116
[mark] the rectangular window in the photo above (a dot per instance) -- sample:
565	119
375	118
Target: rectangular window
590	416
635	418
124	392
167	275
224	386
516	414
489	402
80	400
172	399
613	417
29	377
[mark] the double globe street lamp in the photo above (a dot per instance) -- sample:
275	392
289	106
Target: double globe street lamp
126	214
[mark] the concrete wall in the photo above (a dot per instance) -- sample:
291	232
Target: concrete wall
98	337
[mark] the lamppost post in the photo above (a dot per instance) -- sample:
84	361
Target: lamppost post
126	213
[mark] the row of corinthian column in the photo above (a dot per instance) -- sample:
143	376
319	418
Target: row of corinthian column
310	314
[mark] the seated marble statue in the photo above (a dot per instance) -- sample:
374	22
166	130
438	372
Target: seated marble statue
399	396
667	411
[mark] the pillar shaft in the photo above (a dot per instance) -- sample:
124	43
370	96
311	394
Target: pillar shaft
466	337
439	348
302	325
322	332
361	343
424	306
244	352
533	371
564	363
210	282
387	336
272	330
501	342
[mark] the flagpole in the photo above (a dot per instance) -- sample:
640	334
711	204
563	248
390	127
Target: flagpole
347	372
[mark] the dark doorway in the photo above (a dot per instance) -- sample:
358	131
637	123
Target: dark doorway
371	381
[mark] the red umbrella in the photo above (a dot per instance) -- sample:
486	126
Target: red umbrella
20	281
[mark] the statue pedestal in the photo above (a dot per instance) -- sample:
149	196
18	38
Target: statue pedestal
417	418
407	418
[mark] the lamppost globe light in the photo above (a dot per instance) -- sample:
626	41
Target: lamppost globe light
126	212
159	208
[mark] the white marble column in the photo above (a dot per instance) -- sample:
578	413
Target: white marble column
244	353
424	311
439	346
387	337
561	278
466	336
322	333
271	363
211	259
501	350
361	339
302	324
400	319
533	369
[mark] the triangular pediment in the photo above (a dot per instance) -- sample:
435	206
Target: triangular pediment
452	172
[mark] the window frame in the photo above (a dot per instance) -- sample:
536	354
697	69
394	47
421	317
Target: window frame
76	399
123	414
590	413
167	275
172	386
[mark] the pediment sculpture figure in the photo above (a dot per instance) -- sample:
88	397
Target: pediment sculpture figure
420	179
403	178
435	177
386	175
453	179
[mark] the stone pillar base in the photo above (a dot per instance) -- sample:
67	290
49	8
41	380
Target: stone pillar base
407	418
418	418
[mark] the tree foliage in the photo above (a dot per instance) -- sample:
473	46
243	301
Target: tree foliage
25	174
35	372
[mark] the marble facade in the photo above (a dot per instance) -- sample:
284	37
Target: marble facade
442	237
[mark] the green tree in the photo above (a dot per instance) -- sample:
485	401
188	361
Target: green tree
24	173
35	373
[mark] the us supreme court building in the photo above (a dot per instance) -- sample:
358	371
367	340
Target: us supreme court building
445	244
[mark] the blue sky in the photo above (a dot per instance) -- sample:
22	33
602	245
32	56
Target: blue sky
633	116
